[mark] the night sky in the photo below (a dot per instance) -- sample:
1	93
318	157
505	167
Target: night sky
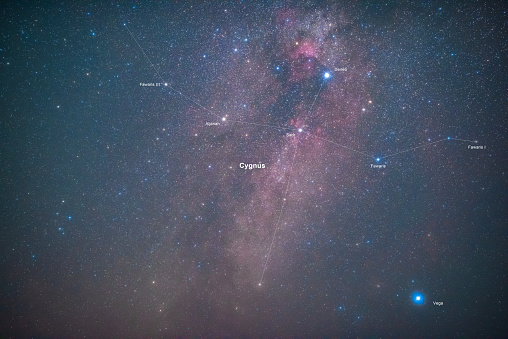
254	169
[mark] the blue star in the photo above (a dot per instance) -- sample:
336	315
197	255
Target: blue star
418	298
327	75
378	159
448	138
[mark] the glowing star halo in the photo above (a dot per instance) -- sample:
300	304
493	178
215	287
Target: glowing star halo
418	298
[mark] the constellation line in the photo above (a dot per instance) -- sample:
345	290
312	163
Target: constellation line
277	225
412	149
333	142
473	141
162	79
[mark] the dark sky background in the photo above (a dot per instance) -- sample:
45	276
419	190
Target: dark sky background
125	213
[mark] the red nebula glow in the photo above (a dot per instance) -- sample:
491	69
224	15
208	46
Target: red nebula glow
307	49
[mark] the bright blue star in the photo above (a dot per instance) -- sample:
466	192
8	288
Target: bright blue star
378	159
124	24
327	75
418	298
449	138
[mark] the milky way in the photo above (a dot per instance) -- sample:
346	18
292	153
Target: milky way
290	108
253	169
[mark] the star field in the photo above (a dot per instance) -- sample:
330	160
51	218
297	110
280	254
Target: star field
255	169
